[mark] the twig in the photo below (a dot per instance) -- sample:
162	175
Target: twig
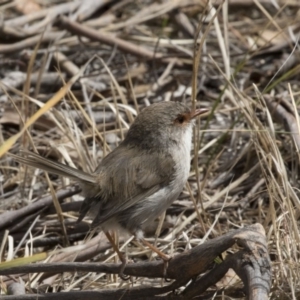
11	26
107	38
32	41
17	78
9	218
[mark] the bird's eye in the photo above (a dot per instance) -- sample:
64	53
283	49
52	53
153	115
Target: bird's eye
180	119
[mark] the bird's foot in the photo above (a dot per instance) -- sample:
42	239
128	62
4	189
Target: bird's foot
123	266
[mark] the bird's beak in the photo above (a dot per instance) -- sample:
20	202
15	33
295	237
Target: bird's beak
198	112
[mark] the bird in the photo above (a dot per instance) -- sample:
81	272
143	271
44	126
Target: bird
137	181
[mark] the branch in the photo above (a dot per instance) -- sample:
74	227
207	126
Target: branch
251	264
10	218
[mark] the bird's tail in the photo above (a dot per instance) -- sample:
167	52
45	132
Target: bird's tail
37	161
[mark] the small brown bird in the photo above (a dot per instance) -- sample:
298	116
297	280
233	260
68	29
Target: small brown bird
138	180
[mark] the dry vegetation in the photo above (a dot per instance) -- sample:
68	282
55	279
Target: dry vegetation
121	56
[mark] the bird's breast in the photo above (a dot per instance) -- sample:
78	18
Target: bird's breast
182	156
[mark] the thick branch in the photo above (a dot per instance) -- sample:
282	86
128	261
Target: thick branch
251	264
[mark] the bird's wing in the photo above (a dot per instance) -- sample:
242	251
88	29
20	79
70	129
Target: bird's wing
127	177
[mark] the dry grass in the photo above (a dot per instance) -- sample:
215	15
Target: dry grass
244	68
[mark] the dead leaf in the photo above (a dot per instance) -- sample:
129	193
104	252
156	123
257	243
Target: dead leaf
27	7
272	38
12	117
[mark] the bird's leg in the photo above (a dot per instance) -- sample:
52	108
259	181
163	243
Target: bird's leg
120	255
163	256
